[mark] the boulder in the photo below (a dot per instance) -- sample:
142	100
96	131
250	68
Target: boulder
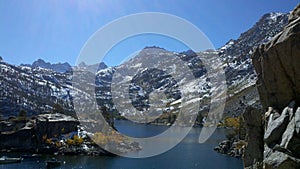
281	160
297	121
231	148
223	147
290	139
276	127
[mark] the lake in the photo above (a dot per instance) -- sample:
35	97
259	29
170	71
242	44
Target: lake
189	154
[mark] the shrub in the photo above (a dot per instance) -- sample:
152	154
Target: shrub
232	122
49	141
70	142
58	144
77	140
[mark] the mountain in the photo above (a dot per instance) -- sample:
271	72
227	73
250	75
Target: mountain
58	67
92	68
235	54
45	87
34	90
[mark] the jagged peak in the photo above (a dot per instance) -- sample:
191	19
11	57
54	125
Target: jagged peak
58	67
154	47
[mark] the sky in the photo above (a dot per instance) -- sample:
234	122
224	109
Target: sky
56	30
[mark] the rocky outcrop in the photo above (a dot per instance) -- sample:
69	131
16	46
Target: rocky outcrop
277	65
276	127
253	156
231	148
283	150
20	135
55	124
22	139
60	134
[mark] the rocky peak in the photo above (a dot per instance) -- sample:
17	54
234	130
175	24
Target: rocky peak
92	67
40	63
236	52
58	67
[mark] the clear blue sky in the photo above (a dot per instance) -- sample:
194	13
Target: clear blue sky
56	30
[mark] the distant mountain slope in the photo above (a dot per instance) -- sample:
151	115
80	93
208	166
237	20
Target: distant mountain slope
235	55
43	87
58	67
34	90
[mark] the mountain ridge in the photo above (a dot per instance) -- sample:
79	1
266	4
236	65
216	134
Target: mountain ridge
235	56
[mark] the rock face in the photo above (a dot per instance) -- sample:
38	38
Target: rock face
58	67
55	124
231	148
20	140
29	135
282	141
277	65
276	127
253	155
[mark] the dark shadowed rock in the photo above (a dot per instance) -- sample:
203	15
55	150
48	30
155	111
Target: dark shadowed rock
22	139
253	155
231	148
29	136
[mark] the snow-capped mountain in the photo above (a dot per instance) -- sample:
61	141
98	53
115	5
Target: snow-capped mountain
235	55
34	90
92	68
44	87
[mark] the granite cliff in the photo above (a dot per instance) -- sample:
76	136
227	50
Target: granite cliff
274	141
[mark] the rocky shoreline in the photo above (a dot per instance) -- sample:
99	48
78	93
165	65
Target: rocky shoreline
56	134
231	148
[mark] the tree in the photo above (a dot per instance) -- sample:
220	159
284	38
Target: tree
57	108
108	116
22	115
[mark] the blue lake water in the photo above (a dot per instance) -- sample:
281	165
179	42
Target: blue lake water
189	154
